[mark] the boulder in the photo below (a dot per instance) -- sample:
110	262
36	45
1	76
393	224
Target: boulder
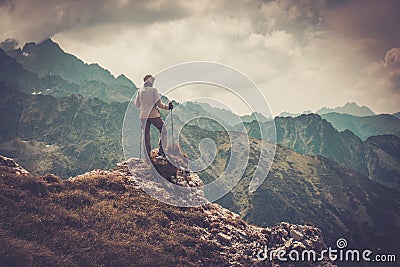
296	235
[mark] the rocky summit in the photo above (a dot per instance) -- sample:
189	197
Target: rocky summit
103	217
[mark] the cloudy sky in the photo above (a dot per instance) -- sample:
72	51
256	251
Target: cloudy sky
303	54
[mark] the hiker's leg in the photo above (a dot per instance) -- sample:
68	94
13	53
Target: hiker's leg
147	136
162	143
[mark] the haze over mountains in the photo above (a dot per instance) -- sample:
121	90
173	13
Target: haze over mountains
339	171
350	108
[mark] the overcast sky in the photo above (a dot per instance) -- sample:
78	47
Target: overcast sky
303	54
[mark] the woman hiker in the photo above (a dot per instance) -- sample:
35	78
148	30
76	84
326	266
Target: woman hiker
148	101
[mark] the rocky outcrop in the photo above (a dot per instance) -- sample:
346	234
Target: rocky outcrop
8	165
103	217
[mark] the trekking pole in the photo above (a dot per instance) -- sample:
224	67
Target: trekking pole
173	141
141	142
170	106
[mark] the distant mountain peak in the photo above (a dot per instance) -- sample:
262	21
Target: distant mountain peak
351	108
353	105
48	42
63	73
47	45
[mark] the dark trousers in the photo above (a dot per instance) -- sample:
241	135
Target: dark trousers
159	124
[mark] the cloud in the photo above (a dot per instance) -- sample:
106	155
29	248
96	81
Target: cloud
379	82
303	54
373	20
42	19
289	72
6	4
368	19
8	44
392	58
392	65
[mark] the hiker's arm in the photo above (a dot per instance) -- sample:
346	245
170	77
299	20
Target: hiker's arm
137	100
158	100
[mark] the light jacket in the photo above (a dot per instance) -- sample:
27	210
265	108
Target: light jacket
147	100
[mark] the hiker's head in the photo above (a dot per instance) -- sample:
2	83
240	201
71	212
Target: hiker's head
148	79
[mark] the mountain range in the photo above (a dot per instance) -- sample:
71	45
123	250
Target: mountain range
38	64
360	120
85	133
45	68
61	74
312	135
225	115
349	108
366	126
81	133
303	188
344	181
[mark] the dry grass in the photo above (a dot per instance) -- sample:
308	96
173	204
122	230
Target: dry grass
94	221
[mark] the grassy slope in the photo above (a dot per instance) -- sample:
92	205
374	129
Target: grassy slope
96	220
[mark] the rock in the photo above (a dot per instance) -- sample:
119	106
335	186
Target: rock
307	243
10	166
163	166
225	239
298	246
266	231
283	232
289	243
274	237
50	178
284	225
296	235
